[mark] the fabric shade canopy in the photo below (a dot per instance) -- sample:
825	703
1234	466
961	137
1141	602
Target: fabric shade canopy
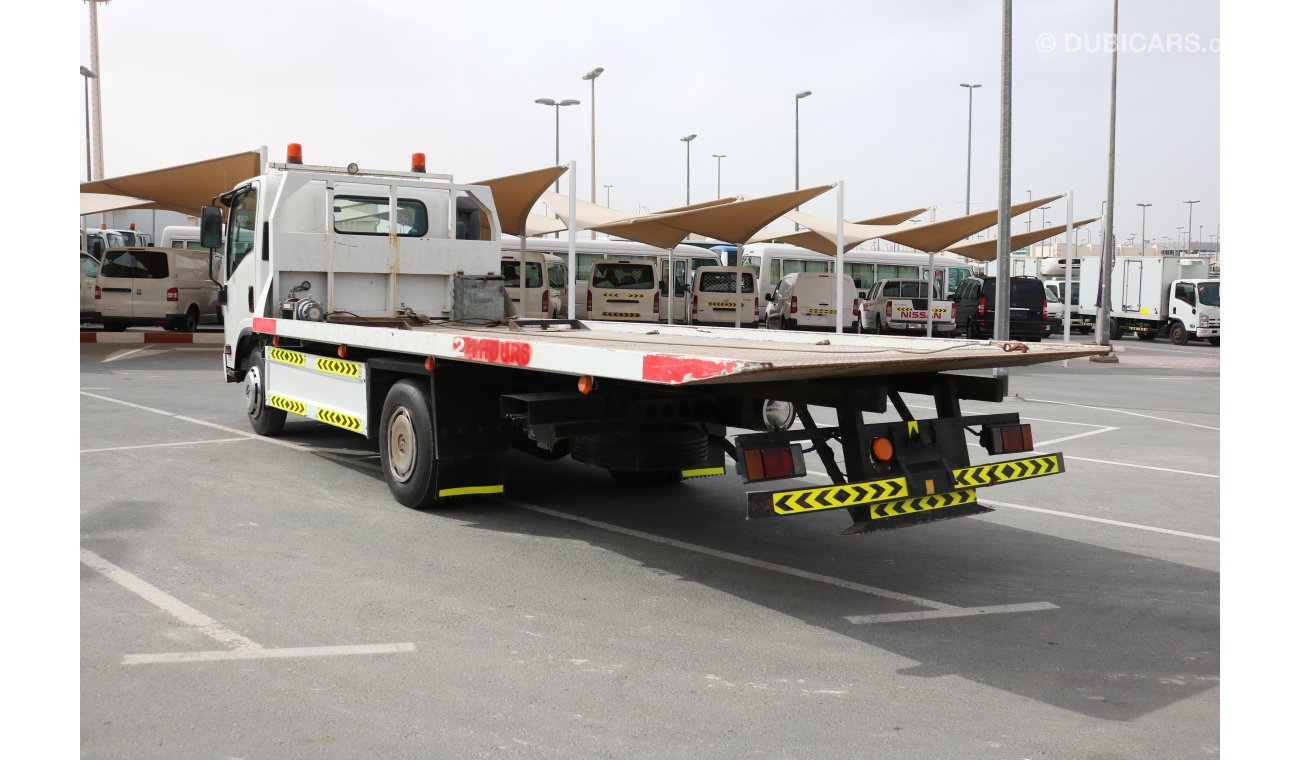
516	194
183	189
643	229
937	236
542	225
987	250
895	218
95	203
736	222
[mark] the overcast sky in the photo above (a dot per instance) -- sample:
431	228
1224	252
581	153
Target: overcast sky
373	82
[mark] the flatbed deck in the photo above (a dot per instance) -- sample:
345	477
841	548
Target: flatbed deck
680	355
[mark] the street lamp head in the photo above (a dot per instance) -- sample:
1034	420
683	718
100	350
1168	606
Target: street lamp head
1191	201
569	102
594	73
85	72
972	86
545	101
719	155
804	94
688	138
1144	205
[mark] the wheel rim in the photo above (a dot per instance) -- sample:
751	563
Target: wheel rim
401	445
253	390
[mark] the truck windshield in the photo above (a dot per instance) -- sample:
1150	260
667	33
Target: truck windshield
1208	293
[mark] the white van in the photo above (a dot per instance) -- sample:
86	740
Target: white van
98	241
89	270
623	290
806	301
180	236
538	285
157	286
714	299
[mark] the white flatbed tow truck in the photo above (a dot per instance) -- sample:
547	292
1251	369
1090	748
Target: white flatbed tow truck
401	332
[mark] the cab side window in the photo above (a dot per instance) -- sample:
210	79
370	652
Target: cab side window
242	225
1185	292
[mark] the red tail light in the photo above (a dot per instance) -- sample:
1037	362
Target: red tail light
546	301
772	463
855	307
755	307
97	294
173	294
695	305
656	303
588	301
981	306
889	308
1044	311
794	304
1007	439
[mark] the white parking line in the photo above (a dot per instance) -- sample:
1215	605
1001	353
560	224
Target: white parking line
169	604
215	426
1119	411
242	647
123	354
1074	516
942	609
1071	437
265	654
162	445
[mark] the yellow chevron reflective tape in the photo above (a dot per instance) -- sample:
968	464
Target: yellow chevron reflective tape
820	311
339	419
286	357
887	509
623	314
338	367
836	497
468	490
722	304
1013	469
704	472
287	404
913	428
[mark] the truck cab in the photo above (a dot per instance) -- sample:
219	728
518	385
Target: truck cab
1194	311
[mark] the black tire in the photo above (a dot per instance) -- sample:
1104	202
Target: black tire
789	324
880	326
188	323
265	420
1178	334
1213	341
406	445
1116	331
971	331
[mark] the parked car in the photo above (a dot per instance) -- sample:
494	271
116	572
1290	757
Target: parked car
89	269
170	287
900	305
623	290
714	301
806	301
976	298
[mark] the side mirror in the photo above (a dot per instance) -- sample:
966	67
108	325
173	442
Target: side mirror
210	227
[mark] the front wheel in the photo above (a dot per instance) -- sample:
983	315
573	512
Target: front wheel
265	420
1178	334
406	452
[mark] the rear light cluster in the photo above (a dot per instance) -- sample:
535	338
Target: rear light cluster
1044	311
656	303
546	301
755	307
588	303
855	307
97	293
889	308
981	307
1007	439
695	305
773	463
173	294
794	304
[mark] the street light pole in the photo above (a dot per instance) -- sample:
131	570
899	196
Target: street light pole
1190	204
591	76
607	187
1144	206
970	111
719	156
87	75
556	105
798	96
687	139
1029	218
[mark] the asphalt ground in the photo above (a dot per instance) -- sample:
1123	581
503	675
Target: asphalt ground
249	597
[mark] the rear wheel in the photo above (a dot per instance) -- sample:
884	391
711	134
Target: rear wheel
188	323
971	331
265	420
1178	334
1116	331
880	326
406	452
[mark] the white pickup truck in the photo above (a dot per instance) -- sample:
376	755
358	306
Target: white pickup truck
899	306
404	337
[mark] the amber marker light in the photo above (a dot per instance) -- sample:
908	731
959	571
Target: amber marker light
295	153
882	449
275	340
428	364
417	163
586	384
343	351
